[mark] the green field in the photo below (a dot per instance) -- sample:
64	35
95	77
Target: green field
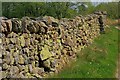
98	60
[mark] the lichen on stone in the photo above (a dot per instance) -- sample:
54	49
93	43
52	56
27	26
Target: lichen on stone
45	54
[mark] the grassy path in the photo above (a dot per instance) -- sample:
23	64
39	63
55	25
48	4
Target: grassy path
96	61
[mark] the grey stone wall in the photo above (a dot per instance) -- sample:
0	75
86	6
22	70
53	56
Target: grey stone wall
38	47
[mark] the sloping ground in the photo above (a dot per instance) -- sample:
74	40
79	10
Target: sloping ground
96	61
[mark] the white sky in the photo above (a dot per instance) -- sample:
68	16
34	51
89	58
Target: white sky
105	0
59	0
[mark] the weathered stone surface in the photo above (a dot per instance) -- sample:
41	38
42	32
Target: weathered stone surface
25	23
26	50
12	60
21	59
21	75
45	54
3	74
42	24
13	40
51	20
0	41
14	70
22	41
26	68
37	75
12	35
16	25
30	68
20	67
9	25
31	28
47	63
27	42
38	70
5	66
38	47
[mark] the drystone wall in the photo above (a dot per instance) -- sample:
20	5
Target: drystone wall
38	47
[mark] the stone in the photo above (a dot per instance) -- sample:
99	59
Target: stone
31	28
30	68
10	47
36	63
9	25
38	70
15	54
16	59
64	51
7	40
14	70
6	60
3	74
37	26
37	75
45	54
25	22
42	24
21	75
1	35
50	20
5	66
26	62
29	75
16	25
12	60
21	59
53	63
35	42
26	68
12	35
3	25
43	30
0	68
22	41
70	53
13	40
58	52
27	42
32	41
26	35
41	47
18	42
26	50
33	63
46	63
36	57
21	67
0	55
0	41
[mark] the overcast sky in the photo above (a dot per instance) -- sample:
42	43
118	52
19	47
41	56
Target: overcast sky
101	0
59	0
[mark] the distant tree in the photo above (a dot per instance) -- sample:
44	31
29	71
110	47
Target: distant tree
110	7
56	9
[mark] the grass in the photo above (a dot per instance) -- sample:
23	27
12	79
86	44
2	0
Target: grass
98	60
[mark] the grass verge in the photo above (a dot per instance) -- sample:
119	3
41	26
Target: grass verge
98	60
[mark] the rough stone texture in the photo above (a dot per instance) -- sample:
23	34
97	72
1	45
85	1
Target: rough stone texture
41	47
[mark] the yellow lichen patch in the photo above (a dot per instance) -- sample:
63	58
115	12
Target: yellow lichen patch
45	53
